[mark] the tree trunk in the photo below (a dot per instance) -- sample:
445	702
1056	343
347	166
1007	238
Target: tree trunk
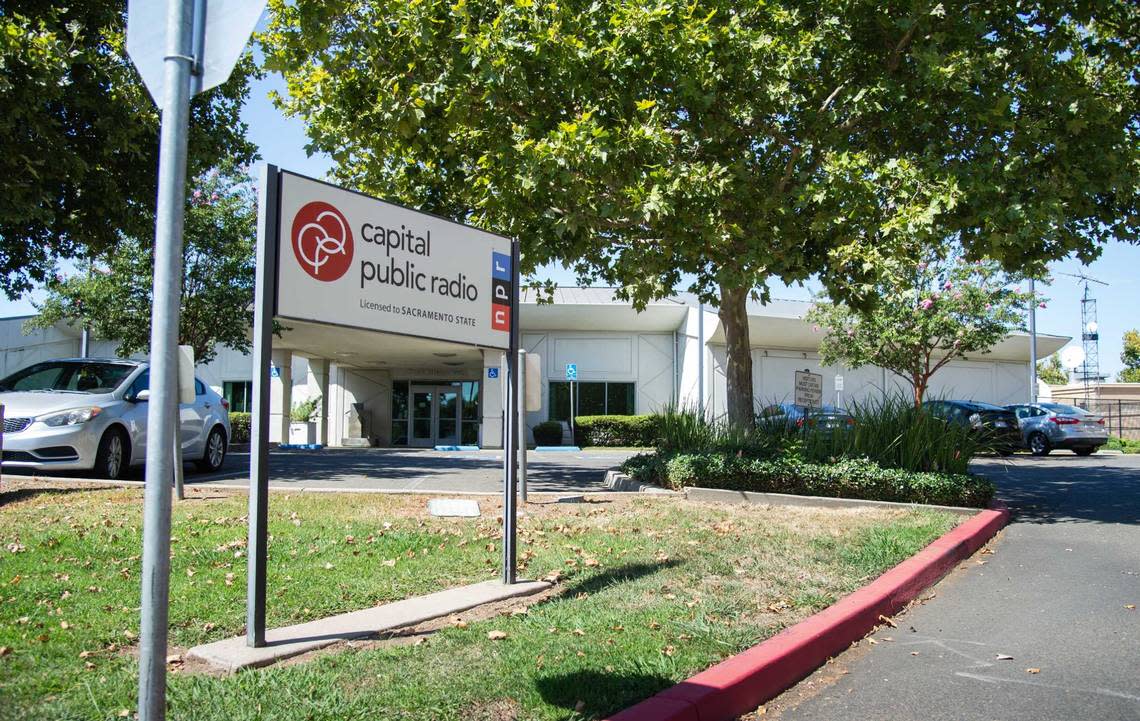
733	314
919	391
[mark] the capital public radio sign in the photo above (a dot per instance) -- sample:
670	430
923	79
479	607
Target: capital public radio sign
349	259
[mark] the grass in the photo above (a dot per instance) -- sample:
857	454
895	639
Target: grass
1127	445
651	591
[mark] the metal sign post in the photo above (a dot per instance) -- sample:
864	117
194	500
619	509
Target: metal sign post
511	431
162	409
264	308
524	380
170	43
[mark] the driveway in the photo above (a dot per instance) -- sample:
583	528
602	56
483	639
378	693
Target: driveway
378	469
1054	596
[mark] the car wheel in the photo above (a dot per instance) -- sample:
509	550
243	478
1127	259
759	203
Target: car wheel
1086	451
112	459
215	452
1039	444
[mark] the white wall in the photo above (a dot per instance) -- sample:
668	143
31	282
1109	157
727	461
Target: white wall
645	359
773	379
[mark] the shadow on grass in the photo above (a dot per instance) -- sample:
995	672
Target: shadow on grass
24	494
614	576
594	694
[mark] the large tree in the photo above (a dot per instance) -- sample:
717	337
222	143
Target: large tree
113	295
639	141
79	135
1130	357
940	309
1052	371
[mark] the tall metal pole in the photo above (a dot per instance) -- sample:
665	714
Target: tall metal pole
1032	342
265	280
162	410
521	398
701	359
511	434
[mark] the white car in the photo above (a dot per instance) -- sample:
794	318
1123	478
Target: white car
90	414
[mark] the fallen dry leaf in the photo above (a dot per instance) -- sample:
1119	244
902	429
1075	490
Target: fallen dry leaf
1003	657
4	651
1033	670
496	635
889	621
1130	606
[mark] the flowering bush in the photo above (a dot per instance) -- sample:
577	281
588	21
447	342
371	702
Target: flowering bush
929	312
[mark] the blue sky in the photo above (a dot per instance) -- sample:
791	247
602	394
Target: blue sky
282	141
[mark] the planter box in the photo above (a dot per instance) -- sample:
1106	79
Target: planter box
302	433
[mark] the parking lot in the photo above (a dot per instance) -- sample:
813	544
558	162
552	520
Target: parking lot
411	470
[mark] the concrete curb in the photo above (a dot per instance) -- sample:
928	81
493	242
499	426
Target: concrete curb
622	483
743	682
718	495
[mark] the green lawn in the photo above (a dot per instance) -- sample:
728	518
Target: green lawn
652	590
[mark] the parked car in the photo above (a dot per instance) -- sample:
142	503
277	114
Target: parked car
996	426
88	414
1046	426
791	415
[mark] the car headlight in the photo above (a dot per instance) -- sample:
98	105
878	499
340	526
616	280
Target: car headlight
72	417
975	420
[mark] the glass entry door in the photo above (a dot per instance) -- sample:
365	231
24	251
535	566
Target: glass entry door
434	417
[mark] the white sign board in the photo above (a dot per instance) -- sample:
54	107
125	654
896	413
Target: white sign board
186	390
809	389
534	382
226	29
352	260
838	383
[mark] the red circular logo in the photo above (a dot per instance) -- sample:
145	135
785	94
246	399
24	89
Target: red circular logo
322	241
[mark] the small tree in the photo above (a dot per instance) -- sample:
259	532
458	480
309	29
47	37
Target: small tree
931	313
1130	357
1052	372
113	295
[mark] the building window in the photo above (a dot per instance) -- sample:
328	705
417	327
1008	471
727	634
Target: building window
399	413
591	399
239	394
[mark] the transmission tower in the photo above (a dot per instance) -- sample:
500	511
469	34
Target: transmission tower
1090	338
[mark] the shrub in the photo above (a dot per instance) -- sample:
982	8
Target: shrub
848	478
239	427
306	410
548	433
642	430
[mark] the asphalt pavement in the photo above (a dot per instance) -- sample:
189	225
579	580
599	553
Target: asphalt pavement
1041	629
413	470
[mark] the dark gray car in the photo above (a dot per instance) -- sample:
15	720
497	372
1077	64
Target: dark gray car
1046	426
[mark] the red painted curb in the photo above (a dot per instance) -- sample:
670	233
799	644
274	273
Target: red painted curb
743	682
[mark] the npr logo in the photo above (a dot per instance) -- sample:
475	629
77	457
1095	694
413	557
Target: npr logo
501	291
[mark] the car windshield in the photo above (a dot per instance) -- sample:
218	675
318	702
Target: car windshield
1064	409
68	376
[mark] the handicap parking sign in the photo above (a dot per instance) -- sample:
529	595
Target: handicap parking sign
492	373
571	371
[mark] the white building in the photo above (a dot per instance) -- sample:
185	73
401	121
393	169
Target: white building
397	391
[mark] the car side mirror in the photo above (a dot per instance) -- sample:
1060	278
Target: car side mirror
142	396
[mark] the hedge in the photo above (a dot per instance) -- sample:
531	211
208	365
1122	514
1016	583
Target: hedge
641	431
239	427
848	478
548	433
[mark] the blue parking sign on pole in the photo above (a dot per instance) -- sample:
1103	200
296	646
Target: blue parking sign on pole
571	371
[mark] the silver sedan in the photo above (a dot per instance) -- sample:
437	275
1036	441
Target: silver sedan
1045	426
87	414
